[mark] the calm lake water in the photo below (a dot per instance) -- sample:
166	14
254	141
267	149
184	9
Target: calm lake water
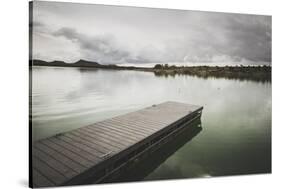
236	120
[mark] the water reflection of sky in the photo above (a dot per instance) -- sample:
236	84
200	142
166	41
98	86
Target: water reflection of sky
236	118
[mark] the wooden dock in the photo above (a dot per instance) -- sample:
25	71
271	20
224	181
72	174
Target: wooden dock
99	150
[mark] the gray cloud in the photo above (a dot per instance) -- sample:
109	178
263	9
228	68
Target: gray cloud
102	48
37	24
108	34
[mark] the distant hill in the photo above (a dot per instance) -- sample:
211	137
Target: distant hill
86	63
80	63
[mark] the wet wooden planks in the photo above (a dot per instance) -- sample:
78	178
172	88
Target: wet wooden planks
60	158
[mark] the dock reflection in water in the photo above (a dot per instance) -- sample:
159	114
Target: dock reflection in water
142	168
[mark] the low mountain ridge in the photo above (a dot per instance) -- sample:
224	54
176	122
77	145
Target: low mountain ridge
79	63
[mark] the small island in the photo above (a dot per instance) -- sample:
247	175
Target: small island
240	72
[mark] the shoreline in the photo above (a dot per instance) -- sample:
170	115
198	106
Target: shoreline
242	72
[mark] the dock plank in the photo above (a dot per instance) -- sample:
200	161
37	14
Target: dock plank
106	139
50	173
74	149
140	124
112	135
124	125
72	166
98	150
82	146
145	124
127	127
54	163
95	142
117	131
105	145
133	134
67	153
41	181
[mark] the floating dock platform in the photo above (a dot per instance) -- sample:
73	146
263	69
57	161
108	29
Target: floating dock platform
98	151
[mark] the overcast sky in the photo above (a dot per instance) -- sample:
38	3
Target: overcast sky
114	34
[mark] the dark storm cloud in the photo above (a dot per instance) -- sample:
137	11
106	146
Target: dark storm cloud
111	34
101	46
250	37
230	36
